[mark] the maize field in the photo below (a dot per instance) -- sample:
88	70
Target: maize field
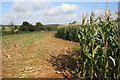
99	40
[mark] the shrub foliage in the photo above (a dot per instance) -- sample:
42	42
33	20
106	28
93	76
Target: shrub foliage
26	27
38	27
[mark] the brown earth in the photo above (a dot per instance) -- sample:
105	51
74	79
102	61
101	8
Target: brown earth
30	56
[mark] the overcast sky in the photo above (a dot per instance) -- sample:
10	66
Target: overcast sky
51	12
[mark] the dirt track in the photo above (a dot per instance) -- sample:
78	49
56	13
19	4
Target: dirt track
37	57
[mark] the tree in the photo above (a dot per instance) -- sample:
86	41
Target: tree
3	28
74	22
26	26
69	24
38	26
25	23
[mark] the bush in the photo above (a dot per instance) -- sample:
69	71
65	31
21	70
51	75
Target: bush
26	27
38	26
50	27
3	28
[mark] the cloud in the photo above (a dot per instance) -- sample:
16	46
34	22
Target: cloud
41	5
22	6
67	8
24	11
17	18
25	6
63	18
63	9
63	14
44	12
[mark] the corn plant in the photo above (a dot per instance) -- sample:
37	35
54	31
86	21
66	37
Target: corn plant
100	46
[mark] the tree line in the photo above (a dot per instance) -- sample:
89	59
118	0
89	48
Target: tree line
26	26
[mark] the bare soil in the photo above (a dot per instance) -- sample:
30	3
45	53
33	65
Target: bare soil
31	56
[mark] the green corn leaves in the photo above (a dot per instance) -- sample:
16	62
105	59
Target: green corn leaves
100	46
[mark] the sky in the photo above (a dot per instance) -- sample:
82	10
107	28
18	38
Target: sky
51	12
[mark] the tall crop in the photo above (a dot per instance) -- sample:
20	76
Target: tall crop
100	47
69	33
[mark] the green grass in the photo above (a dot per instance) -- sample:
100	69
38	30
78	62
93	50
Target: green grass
14	35
28	38
31	39
6	44
20	52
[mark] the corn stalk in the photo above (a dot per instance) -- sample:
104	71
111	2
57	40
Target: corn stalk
100	46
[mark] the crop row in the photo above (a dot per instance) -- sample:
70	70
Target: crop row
100	47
